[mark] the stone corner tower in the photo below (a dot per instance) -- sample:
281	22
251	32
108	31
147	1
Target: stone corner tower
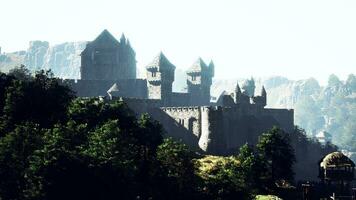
106	58
261	100
160	77
199	81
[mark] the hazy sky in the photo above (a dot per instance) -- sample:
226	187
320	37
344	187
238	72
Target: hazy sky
297	39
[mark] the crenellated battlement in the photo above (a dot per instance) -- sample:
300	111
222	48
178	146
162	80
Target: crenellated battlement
109	70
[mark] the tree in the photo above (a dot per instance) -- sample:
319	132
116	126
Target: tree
222	178
334	81
252	168
5	82
15	150
42	101
21	73
275	149
351	82
175	161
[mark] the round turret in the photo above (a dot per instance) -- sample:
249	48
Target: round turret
336	167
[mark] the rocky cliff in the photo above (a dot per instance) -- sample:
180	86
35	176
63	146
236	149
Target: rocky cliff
62	59
317	108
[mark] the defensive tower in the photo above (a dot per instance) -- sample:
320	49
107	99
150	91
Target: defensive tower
105	58
160	77
199	81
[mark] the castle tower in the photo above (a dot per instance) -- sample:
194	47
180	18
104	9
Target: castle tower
237	93
239	97
127	59
260	100
199	82
263	96
160	77
105	58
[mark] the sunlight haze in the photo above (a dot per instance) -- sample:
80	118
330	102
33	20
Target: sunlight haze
260	38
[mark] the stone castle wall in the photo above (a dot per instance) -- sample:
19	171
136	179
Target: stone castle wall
285	117
214	129
130	88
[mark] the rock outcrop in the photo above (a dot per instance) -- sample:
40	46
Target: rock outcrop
62	59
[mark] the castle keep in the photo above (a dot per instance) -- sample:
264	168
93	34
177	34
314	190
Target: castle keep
109	69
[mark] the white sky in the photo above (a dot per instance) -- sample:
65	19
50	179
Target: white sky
296	39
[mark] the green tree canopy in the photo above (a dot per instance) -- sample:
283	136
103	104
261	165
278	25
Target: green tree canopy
275	149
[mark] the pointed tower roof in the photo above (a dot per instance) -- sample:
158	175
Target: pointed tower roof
161	62
198	66
211	64
106	36
237	88
123	39
263	91
212	67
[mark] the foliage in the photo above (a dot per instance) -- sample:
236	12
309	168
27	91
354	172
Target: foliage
252	168
275	149
21	73
222	178
15	150
41	100
334	81
53	146
267	197
176	161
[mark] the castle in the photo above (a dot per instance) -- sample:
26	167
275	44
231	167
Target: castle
109	69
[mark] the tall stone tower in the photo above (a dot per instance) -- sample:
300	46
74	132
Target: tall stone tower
199	82
127	59
160	77
105	58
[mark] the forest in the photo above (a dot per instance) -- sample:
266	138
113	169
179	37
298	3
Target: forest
56	146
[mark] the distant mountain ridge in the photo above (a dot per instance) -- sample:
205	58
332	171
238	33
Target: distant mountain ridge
330	108
62	59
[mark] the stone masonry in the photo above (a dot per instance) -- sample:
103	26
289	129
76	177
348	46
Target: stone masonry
108	69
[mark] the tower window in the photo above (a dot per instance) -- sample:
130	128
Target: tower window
194	78
153	74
